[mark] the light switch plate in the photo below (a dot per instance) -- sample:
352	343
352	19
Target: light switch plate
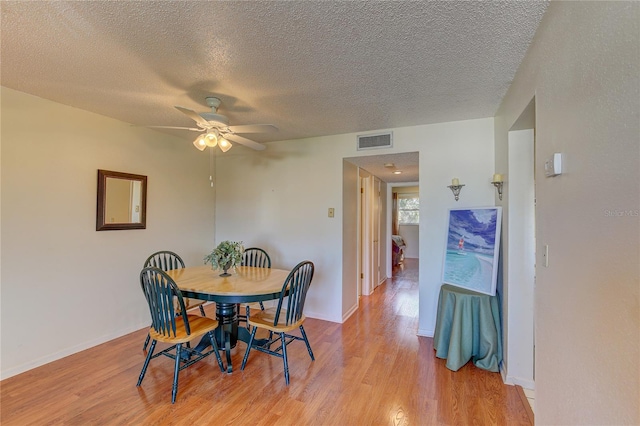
331	211
553	166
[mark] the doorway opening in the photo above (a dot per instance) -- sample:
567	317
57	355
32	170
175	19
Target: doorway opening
404	205
374	179
520	294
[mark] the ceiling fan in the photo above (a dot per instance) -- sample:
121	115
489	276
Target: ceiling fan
215	129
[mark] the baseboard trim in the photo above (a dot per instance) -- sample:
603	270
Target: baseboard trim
425	333
315	315
350	312
527	405
519	381
14	371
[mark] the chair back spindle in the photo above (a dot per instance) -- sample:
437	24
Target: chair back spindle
254	256
297	283
163	295
165	260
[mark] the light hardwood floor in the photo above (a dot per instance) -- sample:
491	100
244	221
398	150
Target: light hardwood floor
371	370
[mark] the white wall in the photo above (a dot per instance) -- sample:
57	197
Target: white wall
411	236
278	199
350	200
64	286
518	357
583	68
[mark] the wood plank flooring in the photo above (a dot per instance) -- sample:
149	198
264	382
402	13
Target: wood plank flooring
371	370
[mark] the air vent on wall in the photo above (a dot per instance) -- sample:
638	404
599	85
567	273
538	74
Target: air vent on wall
382	140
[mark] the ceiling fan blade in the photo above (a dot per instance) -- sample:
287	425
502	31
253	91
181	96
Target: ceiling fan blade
194	116
254	128
193	129
244	141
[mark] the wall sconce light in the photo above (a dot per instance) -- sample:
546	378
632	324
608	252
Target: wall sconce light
455	188
497	182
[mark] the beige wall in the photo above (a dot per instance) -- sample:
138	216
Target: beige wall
278	199
64	286
583	69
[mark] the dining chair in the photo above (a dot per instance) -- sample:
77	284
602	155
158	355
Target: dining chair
163	295
168	261
286	317
253	256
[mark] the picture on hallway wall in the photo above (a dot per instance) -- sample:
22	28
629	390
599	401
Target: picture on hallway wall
473	245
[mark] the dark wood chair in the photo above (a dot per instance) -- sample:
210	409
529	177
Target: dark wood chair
253	256
163	295
286	317
168	261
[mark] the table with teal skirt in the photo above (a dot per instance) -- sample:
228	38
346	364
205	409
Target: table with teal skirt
468	328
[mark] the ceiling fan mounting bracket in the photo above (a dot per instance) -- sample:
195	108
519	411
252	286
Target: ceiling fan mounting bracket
213	102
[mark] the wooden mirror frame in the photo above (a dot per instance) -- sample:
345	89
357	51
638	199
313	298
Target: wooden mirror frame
101	223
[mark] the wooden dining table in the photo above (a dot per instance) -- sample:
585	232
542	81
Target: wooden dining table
246	284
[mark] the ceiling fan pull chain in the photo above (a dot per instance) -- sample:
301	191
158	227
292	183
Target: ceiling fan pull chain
211	164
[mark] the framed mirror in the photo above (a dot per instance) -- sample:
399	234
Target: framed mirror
122	201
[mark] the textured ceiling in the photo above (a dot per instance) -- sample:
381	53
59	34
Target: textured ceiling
384	165
310	68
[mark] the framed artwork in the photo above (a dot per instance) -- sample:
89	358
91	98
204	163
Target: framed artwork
472	248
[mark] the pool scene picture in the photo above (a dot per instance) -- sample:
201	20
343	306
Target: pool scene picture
473	242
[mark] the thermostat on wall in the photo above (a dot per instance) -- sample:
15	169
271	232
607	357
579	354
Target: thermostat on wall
553	166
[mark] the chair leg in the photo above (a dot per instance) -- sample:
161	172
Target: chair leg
261	306
216	350
146	342
227	350
304	336
202	310
246	354
247	319
146	362
174	390
284	358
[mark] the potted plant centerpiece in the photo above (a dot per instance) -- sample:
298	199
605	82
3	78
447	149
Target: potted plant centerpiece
227	255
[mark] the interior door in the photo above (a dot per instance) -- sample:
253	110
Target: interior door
375	250
366	259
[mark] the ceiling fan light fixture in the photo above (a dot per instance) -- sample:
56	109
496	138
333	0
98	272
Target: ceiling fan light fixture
224	145
200	143
211	138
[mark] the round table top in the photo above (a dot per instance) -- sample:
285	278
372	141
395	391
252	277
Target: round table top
245	284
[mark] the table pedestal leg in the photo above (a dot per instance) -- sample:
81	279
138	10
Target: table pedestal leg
228	333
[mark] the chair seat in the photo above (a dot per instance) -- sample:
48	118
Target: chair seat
199	326
264	319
